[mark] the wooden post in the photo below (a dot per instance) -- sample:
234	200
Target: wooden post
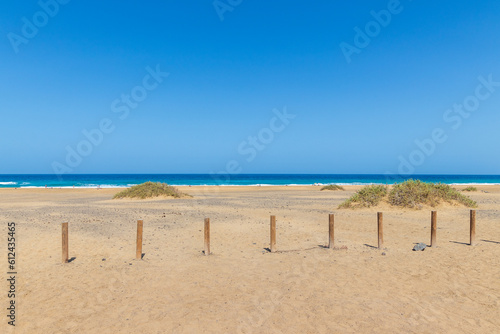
65	247
138	252
331	233
207	236
433	228
380	230
273	234
472	227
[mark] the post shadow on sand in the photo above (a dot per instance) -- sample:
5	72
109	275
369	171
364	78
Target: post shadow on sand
267	249
370	246
495	242
461	243
142	255
71	259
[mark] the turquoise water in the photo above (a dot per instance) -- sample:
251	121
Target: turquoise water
126	180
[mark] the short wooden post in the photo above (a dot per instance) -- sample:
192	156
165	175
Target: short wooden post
331	232
65	247
472	227
433	228
273	234
207	236
380	230
138	253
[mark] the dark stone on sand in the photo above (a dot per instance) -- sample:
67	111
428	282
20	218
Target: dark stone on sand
419	247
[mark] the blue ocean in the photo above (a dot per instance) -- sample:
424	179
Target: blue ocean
127	180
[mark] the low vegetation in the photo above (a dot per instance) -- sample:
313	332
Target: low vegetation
150	190
409	194
366	197
470	189
332	187
415	193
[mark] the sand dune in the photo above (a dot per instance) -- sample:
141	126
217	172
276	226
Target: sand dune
241	288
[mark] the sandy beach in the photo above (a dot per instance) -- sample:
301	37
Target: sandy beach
241	287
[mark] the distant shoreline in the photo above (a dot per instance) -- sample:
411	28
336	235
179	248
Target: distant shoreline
235	186
106	181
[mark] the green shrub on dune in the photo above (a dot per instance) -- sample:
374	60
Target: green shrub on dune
408	194
414	193
149	190
366	197
470	189
332	187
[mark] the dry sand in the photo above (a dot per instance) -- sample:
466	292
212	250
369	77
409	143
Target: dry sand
241	288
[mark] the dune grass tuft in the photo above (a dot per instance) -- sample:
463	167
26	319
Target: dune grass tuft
366	197
470	189
415	193
150	190
332	187
408	194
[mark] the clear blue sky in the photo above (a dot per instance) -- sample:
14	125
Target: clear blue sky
227	76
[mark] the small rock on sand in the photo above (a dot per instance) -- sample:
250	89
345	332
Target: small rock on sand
419	247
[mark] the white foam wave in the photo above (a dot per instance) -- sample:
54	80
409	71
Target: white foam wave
474	184
106	186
